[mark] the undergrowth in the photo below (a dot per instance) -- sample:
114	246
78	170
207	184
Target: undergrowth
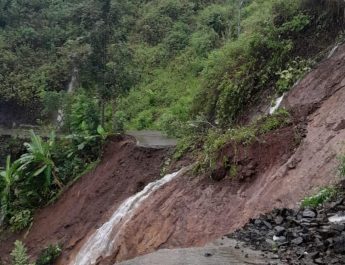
207	145
324	195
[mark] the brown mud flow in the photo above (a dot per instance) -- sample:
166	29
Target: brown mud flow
278	170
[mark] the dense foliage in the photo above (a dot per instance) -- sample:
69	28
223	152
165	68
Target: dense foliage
189	68
42	172
158	64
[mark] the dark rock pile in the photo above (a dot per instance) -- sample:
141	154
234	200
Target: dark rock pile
305	236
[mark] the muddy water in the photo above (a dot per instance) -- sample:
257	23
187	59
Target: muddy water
101	243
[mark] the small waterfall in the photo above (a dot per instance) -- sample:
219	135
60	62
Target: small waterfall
70	89
101	242
277	104
332	51
73	83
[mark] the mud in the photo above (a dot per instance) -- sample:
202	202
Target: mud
277	171
194	210
123	170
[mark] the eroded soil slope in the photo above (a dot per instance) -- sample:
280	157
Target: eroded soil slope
278	170
286	165
124	169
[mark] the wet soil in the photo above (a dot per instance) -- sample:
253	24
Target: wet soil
276	171
123	170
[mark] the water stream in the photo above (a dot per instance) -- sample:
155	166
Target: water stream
102	241
332	51
277	104
70	89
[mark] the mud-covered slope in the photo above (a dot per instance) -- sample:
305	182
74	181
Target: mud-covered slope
124	169
192	211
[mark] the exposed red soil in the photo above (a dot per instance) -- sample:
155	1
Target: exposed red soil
278	170
192	211
124	169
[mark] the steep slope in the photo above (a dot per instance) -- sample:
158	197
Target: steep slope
285	165
192	211
124	170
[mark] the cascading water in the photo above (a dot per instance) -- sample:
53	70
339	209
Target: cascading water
101	242
277	104
71	86
332	51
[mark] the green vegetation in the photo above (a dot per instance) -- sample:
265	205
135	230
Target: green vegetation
41	173
158	64
49	255
324	195
341	167
189	68
244	135
19	254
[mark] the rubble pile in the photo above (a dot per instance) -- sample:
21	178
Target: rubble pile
304	236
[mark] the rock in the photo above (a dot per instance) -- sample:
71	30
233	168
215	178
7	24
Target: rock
208	255
279	220
270	242
279	230
337	219
314	255
269	226
297	241
319	261
279	239
308	214
338	227
339	244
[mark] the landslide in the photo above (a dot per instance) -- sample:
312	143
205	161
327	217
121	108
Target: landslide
124	170
279	169
284	165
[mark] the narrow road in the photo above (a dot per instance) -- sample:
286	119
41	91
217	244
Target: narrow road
222	252
149	139
152	139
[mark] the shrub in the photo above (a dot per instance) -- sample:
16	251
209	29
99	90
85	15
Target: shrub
341	167
84	115
243	135
154	27
321	197
20	220
288	77
203	41
217	18
177	39
19	254
49	255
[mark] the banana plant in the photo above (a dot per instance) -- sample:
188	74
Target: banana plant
38	160
8	177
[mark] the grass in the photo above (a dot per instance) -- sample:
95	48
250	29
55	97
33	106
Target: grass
324	195
341	167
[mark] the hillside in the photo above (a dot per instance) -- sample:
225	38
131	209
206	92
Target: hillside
251	93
